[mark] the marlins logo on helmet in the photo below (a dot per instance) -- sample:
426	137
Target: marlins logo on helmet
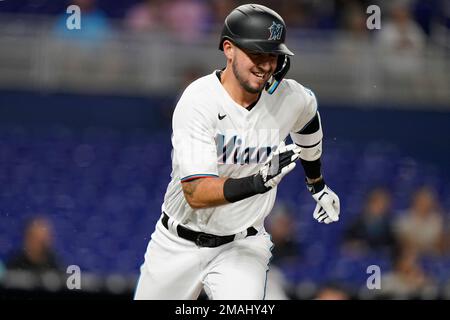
276	30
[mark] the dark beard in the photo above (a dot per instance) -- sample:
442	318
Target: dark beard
245	84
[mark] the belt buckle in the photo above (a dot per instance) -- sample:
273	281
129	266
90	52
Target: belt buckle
206	240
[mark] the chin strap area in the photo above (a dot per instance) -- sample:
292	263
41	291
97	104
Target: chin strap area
283	65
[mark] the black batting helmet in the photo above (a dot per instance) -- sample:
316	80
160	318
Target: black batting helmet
256	28
259	29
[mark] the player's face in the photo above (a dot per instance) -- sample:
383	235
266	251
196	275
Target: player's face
253	69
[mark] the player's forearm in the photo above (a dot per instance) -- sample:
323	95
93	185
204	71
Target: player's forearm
205	192
211	192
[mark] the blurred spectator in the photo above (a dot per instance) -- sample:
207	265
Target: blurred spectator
285	253
80	48
332	291
353	20
93	28
372	230
407	279
2	269
421	227
282	227
187	19
296	14
356	49
145	16
37	254
402	42
440	25
220	10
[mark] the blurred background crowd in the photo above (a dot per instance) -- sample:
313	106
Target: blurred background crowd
85	142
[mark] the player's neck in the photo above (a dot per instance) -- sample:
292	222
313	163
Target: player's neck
235	90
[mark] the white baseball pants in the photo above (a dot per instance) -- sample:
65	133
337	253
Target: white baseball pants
178	269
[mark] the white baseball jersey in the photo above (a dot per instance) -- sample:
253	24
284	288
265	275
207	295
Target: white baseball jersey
214	136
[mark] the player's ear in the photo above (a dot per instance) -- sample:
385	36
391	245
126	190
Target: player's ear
228	49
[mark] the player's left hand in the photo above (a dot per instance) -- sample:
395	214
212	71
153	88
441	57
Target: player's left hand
279	164
328	205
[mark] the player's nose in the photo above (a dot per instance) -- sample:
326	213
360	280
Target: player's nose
267	64
264	67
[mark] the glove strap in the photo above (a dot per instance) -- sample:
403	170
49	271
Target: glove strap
316	186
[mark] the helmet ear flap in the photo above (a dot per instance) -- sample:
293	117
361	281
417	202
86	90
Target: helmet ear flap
283	65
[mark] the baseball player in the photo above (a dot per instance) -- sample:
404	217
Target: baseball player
229	155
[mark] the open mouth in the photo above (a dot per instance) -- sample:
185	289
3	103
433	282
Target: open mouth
260	75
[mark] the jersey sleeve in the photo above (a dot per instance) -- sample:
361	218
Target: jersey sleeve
307	132
194	148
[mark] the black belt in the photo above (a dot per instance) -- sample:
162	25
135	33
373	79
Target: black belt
203	239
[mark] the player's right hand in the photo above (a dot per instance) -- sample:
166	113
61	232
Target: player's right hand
279	164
